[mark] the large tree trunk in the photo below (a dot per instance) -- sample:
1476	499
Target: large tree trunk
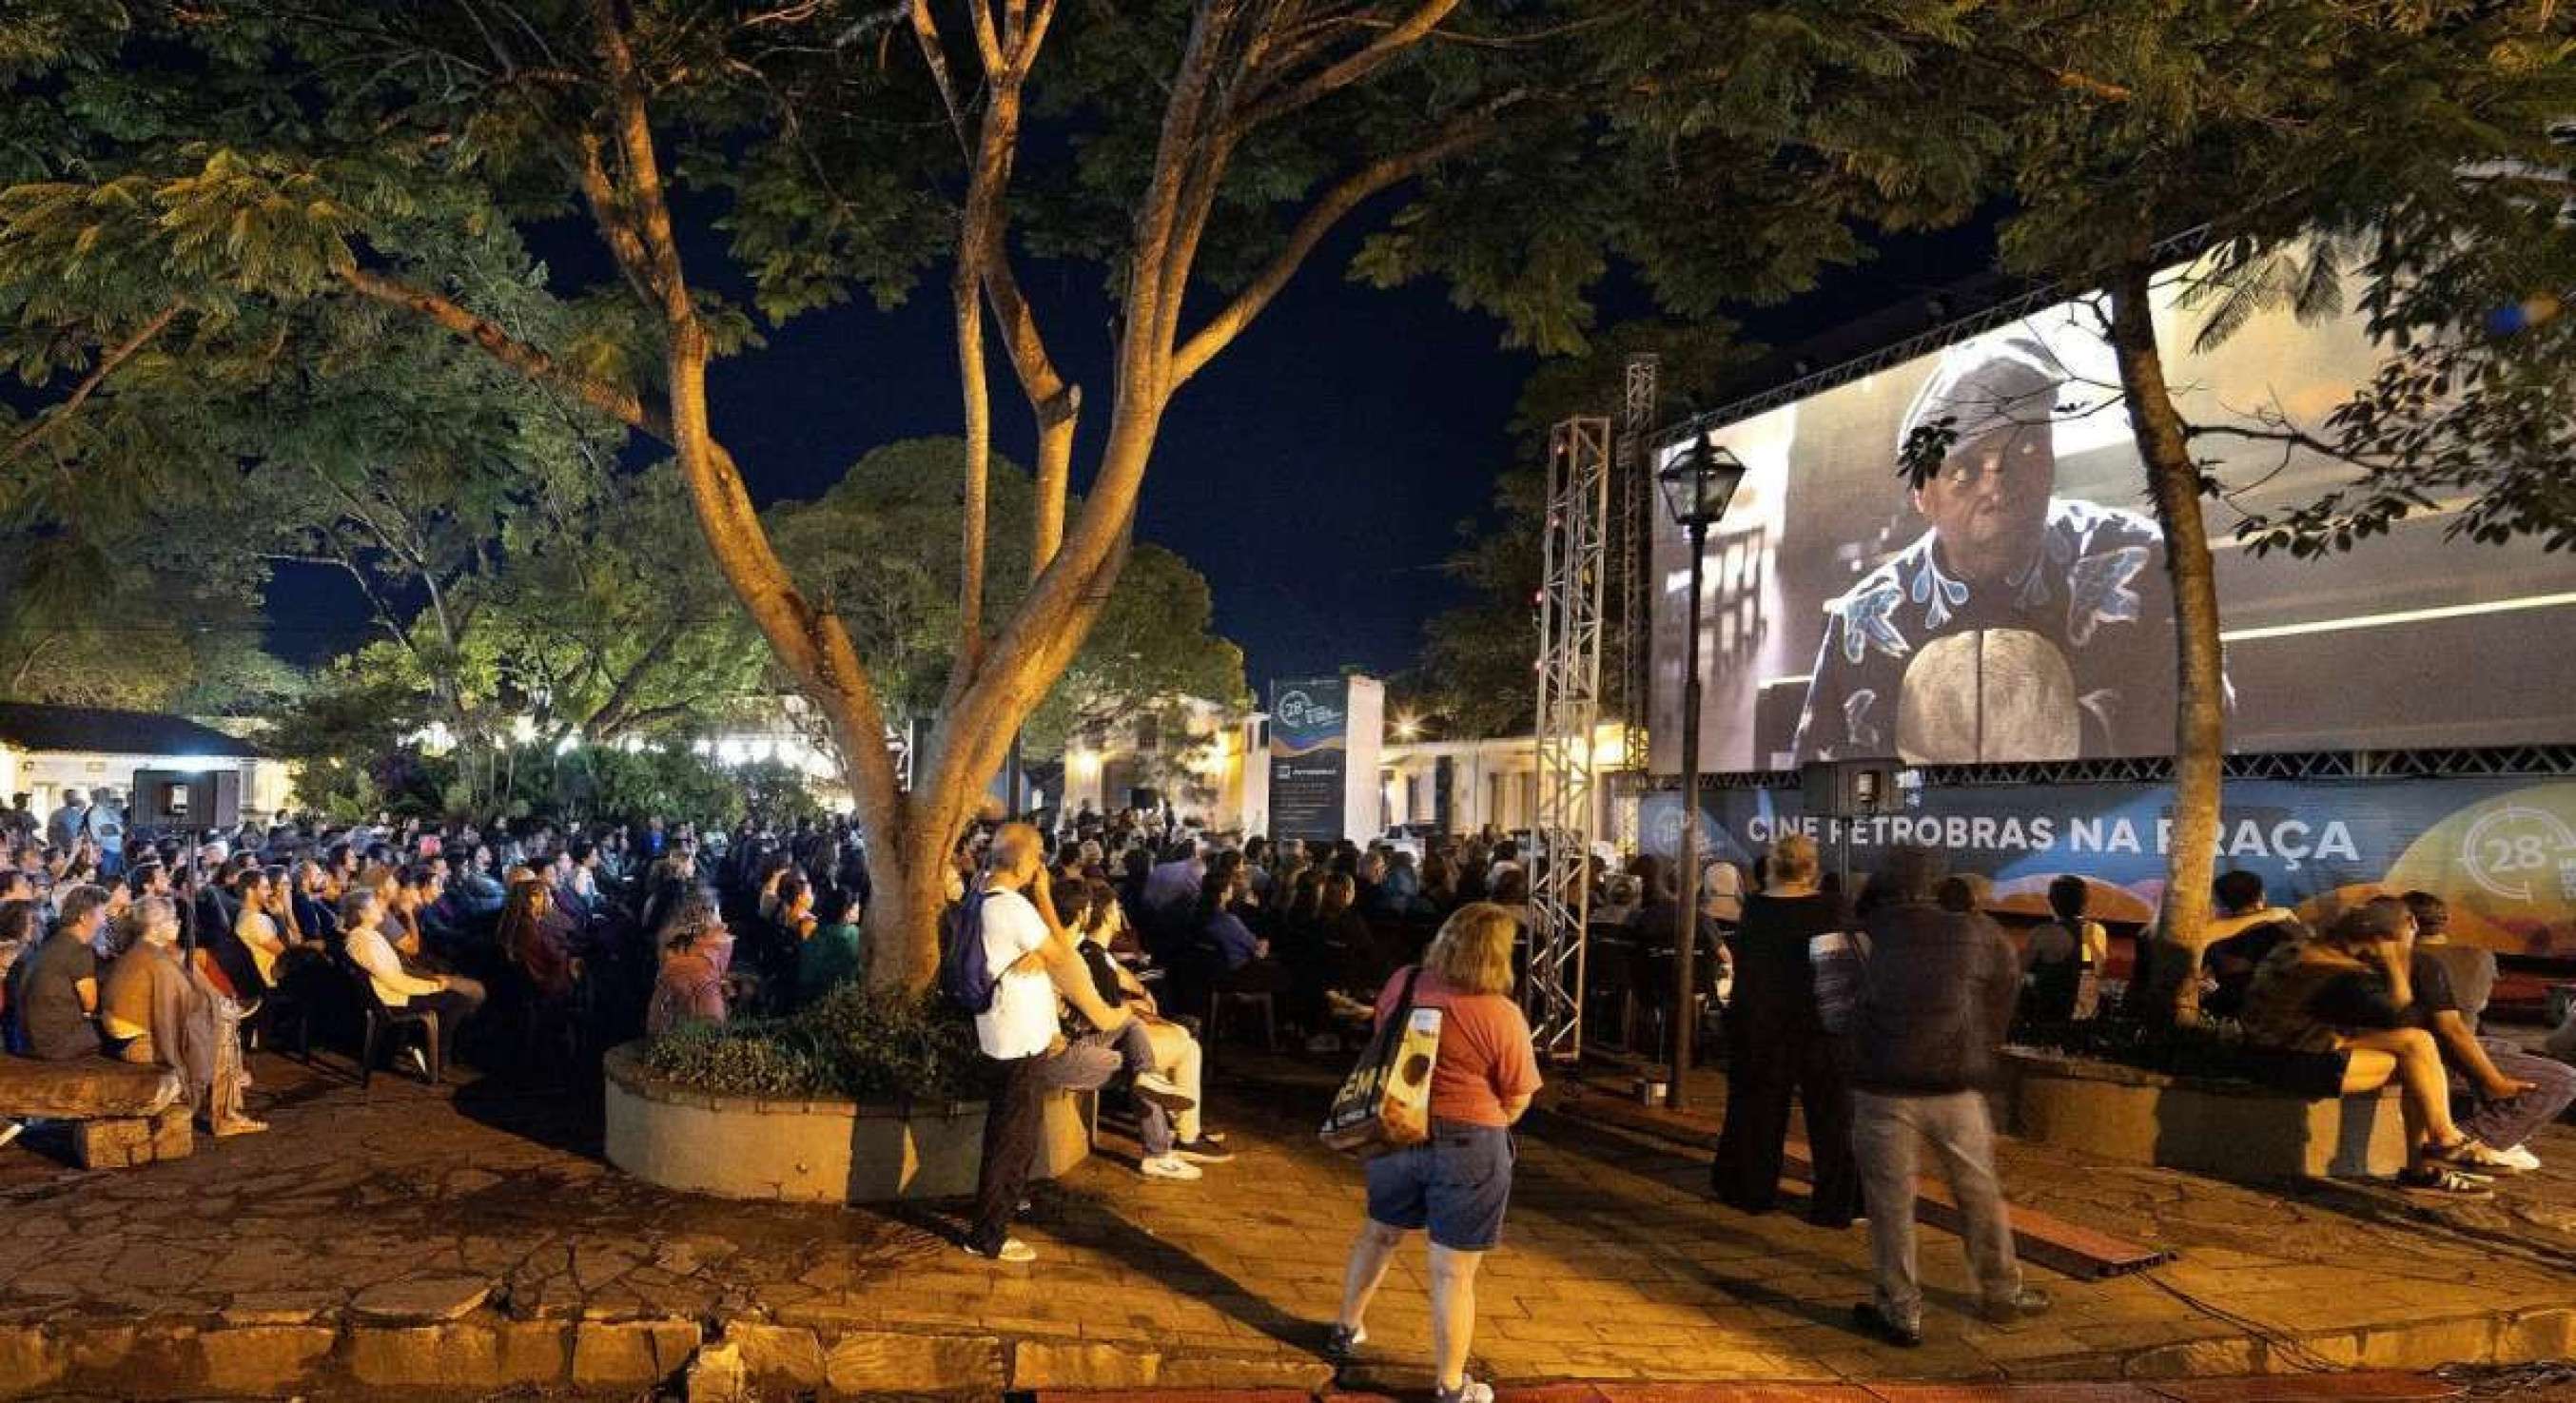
2200	717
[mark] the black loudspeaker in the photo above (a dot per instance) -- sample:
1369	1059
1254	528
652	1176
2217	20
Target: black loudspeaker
185	799
1850	788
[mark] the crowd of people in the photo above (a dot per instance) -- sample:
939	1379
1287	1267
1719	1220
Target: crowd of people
1101	944
178	950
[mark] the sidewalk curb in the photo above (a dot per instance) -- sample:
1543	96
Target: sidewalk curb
145	1360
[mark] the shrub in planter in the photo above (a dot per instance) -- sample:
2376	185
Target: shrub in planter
855	1043
2211	1048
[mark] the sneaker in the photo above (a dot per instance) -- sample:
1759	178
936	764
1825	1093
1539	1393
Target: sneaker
239	1125
2520	1158
2021	1305
418	1062
2436	1181
1871	1321
1011	1250
2473	1156
1467	1391
1171	1167
1160	1089
1207	1149
1343	1345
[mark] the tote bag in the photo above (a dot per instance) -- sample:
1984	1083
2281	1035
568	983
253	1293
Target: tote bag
1385	1103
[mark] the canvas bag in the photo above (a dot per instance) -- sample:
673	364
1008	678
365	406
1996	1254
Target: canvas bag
1385	1103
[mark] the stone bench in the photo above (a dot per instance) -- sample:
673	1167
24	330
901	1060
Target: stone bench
122	1115
2215	1125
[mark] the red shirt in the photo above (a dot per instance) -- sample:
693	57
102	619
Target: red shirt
1486	1057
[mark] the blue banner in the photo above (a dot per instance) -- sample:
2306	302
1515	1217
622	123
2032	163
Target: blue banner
2502	852
1309	757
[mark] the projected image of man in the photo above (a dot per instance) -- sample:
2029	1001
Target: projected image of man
2020	625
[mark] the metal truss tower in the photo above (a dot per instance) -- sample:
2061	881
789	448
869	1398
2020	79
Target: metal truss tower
1631	533
1569	708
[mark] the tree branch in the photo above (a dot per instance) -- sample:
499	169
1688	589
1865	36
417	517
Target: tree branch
1318	221
487	336
89	384
1349	69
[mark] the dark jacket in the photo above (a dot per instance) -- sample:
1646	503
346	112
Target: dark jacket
1935	1003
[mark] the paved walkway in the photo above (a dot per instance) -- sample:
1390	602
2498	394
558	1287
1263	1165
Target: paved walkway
469	1238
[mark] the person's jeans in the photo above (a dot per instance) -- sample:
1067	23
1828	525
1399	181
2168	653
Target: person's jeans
1182	1060
1884	1131
1015	1122
1136	1057
2515	1119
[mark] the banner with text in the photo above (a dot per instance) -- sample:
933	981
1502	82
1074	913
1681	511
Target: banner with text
2502	852
1309	757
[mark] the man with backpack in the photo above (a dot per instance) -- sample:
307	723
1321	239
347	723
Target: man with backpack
1007	960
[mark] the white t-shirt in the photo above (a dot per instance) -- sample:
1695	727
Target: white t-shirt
1022	1021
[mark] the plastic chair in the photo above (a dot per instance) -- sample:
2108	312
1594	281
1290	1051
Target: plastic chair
378	1019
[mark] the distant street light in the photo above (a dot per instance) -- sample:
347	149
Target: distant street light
1697	484
1408	727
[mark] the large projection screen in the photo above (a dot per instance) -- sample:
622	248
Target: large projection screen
2018	609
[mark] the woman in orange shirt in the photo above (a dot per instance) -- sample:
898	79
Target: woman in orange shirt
1457	1183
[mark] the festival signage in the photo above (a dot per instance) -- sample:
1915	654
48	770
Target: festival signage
2502	852
1309	757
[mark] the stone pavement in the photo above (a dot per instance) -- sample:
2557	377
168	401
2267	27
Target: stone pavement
468	1239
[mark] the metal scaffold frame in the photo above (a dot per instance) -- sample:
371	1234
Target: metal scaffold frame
1569	707
1631	528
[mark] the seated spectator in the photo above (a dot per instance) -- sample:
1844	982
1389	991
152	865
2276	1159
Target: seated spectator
158	1010
2331	1014
474	884
372	951
56	998
1220	929
533	945
2514	1092
697	949
1105	925
829	955
1172	1135
317	902
2247	932
22	929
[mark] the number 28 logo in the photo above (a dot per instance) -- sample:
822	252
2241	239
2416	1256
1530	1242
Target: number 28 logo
2512	851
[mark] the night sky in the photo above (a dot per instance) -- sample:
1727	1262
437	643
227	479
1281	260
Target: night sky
1315	473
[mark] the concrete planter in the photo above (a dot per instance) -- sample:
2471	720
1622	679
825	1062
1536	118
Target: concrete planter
824	1150
2229	1128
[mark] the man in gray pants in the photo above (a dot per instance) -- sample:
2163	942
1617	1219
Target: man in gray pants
1935	1002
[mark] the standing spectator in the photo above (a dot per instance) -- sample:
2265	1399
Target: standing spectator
2516	1093
1777	1046
1935	1002
1031	963
57	989
104	825
1458	1182
2062	963
63	828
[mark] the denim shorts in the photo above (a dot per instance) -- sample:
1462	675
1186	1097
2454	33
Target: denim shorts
1457	1184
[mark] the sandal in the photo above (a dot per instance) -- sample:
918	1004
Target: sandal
2436	1181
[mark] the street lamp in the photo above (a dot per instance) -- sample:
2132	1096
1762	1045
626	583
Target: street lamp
1697	484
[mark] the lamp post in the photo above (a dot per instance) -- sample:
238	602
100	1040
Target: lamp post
1697	485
